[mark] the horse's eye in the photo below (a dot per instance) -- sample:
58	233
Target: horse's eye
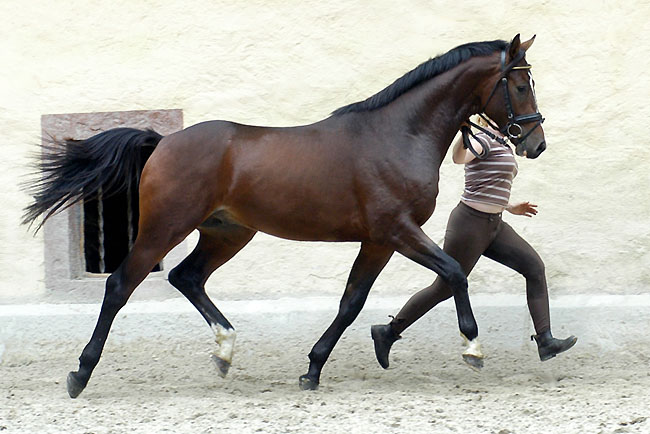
521	89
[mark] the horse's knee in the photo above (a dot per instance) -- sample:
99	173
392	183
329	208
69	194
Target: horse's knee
456	278
457	281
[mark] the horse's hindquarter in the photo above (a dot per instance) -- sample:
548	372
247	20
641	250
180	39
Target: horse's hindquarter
182	181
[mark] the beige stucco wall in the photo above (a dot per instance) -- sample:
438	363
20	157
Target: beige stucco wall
293	62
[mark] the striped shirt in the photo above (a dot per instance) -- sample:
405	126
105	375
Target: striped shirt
489	181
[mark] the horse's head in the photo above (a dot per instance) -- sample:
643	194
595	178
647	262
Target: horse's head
509	100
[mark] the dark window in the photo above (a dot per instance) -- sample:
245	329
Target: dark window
110	225
72	244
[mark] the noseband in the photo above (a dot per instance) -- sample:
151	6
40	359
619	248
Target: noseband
512	128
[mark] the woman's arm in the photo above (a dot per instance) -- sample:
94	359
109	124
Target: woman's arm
462	155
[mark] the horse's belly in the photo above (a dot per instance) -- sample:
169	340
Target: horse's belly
307	223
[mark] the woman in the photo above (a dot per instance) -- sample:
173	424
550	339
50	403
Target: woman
475	228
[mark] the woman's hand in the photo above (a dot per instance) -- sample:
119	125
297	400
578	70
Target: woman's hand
462	155
524	208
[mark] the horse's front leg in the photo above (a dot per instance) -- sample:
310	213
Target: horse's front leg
369	263
413	243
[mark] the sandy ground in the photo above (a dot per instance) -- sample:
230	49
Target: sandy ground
155	374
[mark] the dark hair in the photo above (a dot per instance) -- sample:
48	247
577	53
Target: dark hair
423	72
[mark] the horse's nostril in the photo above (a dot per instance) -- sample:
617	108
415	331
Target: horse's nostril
541	148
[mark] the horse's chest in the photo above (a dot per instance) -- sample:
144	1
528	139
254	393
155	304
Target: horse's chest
411	195
424	201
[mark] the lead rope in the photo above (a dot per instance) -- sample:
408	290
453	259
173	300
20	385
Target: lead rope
466	132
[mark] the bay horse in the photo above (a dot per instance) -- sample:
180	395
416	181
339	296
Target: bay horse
368	173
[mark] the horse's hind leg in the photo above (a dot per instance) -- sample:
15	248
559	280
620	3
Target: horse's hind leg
159	230
120	285
217	244
369	263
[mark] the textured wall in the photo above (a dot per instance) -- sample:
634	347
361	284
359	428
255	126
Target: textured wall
293	62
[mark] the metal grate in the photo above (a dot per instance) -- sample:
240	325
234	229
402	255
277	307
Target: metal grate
110	226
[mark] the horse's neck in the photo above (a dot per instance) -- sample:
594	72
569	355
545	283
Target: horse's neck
435	109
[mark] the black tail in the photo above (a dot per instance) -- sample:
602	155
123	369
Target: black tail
73	170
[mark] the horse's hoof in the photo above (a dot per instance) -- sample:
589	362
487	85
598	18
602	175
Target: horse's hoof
307	383
74	386
474	362
221	364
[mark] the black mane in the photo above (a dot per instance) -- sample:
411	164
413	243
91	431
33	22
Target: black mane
423	72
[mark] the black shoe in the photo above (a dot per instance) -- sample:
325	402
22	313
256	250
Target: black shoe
383	336
549	347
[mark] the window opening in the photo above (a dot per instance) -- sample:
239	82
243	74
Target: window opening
71	262
110	225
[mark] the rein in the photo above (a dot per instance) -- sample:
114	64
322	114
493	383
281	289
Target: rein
514	122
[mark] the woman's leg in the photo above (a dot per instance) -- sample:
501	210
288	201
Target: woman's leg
509	249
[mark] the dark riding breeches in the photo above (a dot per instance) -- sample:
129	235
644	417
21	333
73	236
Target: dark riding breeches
470	234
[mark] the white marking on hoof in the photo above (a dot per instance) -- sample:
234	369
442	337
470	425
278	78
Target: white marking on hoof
225	339
222	367
473	348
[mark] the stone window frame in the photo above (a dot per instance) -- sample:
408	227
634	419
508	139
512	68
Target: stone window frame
63	233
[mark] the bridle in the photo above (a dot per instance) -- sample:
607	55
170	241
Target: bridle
512	128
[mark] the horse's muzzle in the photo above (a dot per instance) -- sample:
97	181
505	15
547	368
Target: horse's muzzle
540	148
523	151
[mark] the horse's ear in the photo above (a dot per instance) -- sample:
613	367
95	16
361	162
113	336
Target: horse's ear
514	46
526	45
